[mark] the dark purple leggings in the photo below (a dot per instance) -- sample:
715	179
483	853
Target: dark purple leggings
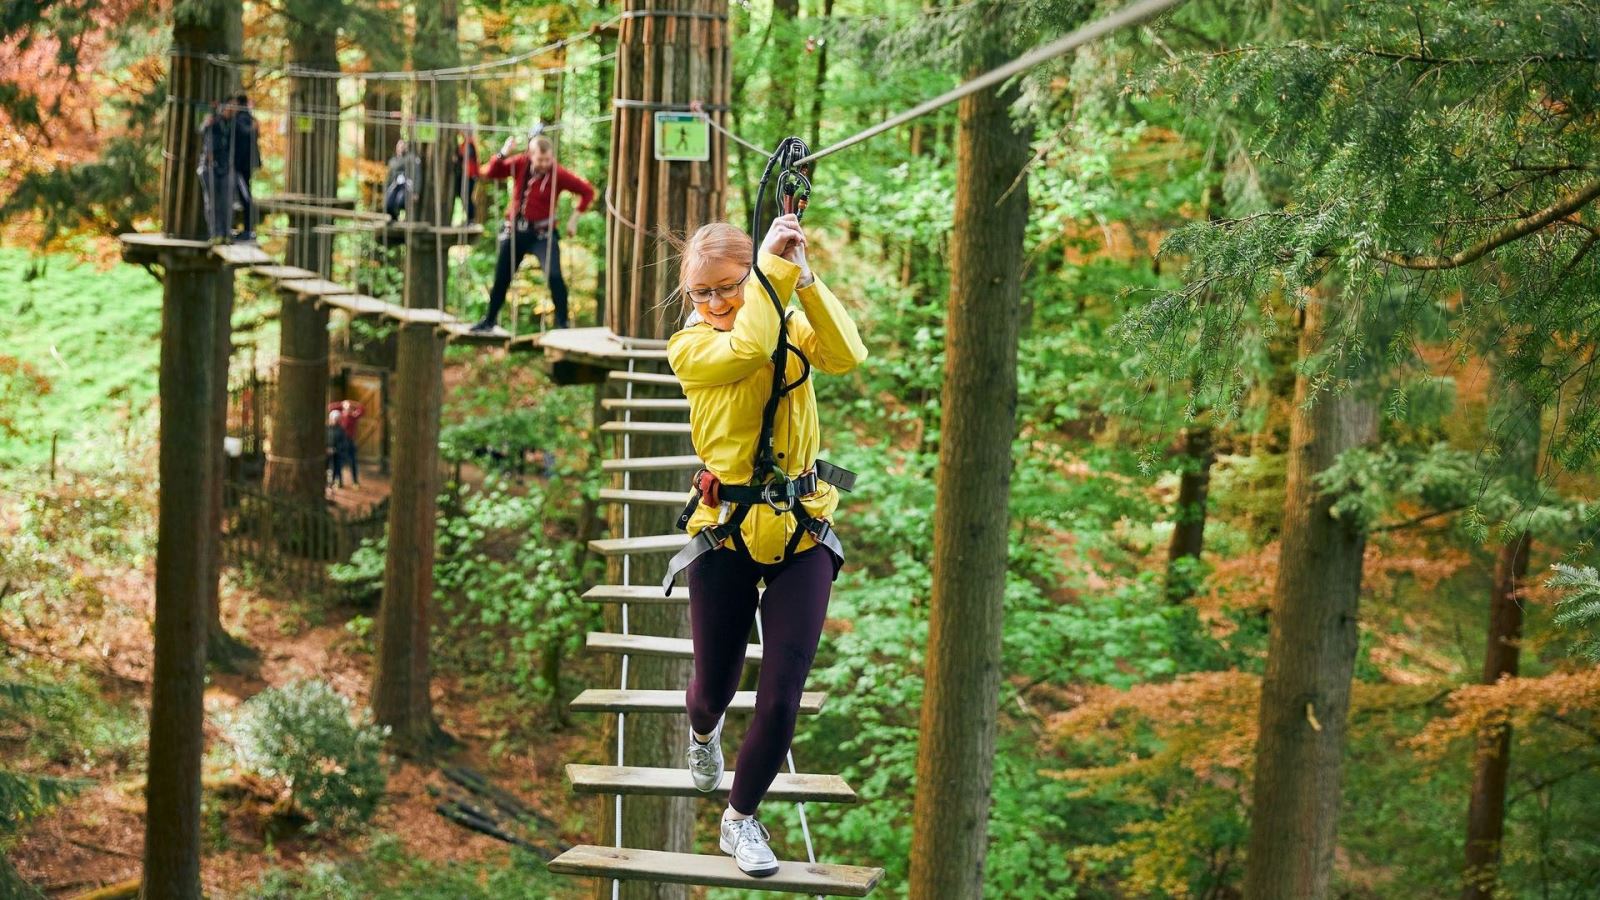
722	607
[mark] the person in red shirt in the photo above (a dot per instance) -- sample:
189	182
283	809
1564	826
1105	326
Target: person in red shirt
350	412
530	226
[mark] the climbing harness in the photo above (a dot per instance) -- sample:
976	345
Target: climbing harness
769	483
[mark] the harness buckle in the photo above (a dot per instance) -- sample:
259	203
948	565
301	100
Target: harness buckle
787	494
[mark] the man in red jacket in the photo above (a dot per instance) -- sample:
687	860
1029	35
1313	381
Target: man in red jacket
530	226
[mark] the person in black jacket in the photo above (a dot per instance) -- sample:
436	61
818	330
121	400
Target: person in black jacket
216	171
405	176
246	160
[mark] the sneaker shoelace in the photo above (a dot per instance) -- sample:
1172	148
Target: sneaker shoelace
699	754
749	829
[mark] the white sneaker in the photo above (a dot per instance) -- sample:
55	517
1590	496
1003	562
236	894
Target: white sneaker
746	841
705	760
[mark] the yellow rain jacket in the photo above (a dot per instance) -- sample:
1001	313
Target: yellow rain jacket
727	376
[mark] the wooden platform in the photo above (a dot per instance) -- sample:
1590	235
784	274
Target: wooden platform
591	347
652	464
660	543
282	273
716	871
314	287
146	249
407	316
241	254
649	498
356	304
650	645
613	701
675	782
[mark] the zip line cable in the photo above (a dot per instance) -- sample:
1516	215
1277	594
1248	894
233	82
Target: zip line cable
1094	31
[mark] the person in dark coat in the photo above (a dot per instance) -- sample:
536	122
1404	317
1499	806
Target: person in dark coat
216	170
246	160
340	448
405	175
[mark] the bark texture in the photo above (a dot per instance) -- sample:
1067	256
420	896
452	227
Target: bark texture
400	684
1486	808
662	59
1305	693
955	758
190	381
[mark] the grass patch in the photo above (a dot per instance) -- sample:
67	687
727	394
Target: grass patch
79	351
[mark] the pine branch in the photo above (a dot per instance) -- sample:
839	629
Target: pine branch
1566	206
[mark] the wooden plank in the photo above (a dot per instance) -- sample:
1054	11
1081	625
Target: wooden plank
272	204
640	343
597	345
614	701
646	405
148	248
633	593
656	543
652	498
314	287
241	254
651	464
645	427
357	304
408	316
645	378
714	871
462	333
283	273
675	782
651	645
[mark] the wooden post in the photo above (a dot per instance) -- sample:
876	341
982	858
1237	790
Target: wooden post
664	60
189	384
400	681
296	468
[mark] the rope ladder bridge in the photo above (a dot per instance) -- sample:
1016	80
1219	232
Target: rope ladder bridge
620	863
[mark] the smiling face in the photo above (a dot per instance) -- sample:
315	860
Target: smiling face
708	274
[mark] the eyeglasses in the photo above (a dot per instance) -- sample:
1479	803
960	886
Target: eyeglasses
727	291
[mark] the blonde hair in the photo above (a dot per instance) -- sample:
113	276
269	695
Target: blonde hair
712	241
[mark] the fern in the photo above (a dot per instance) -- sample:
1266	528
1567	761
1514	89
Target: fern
1580	608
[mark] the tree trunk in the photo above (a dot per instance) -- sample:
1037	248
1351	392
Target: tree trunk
186	542
667	60
955	756
1189	517
1492	764
783	55
820	88
400	684
296	467
1305	693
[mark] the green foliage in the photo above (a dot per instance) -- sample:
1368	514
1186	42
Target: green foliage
302	734
1579	607
79	339
387	872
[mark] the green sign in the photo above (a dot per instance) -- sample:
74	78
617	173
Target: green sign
302	124
684	137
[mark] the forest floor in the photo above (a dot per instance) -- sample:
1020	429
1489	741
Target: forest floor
96	838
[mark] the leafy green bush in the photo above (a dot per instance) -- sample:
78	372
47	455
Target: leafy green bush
302	735
385	872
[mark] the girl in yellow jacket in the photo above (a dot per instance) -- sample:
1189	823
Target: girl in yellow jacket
723	356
